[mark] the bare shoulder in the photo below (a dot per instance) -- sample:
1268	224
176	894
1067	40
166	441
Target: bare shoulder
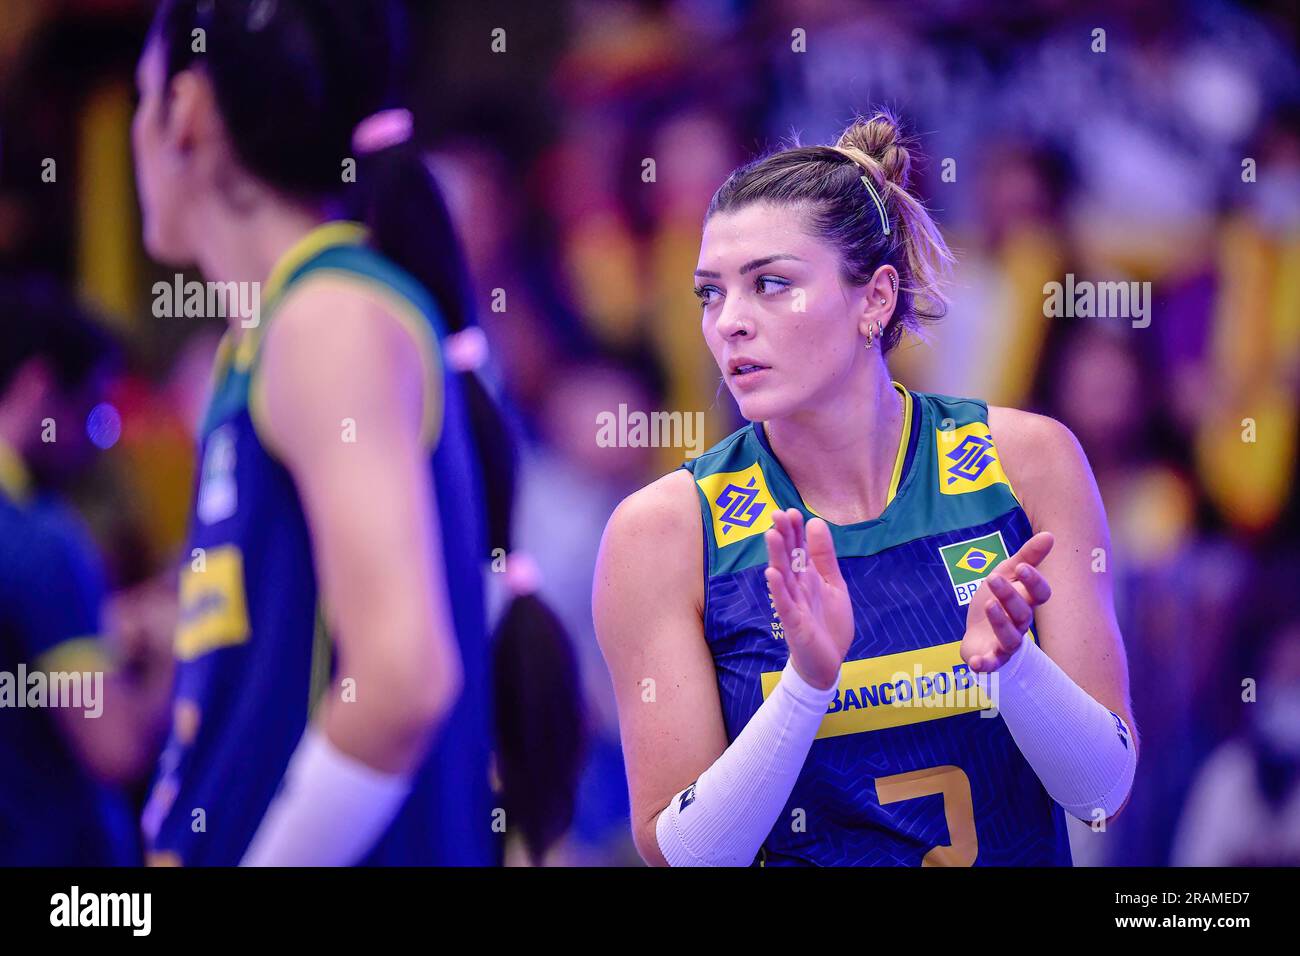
655	537
1031	443
1042	458
327	314
668	502
331	353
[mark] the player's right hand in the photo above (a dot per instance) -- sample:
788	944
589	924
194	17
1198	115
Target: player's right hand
810	596
1002	609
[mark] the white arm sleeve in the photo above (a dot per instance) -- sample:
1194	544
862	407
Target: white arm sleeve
1083	753
724	816
331	809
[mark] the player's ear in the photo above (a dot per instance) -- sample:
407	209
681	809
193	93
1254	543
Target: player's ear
191	119
876	307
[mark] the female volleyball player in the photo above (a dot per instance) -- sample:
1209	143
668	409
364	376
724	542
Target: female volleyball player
811	678
339	510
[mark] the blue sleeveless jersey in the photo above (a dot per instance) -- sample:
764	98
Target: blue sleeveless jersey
52	810
253	652
911	766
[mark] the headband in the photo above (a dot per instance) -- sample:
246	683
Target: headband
466	350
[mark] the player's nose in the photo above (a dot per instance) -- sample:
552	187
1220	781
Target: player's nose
734	320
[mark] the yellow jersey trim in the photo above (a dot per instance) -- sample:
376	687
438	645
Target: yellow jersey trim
76	654
416	325
322	656
223	359
341	232
902	443
899	457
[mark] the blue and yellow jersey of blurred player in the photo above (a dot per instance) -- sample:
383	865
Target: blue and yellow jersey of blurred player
935	778
53	812
254	647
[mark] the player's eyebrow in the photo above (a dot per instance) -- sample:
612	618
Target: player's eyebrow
751	265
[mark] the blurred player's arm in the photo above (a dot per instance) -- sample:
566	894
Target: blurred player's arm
1077	627
114	737
344	407
118	744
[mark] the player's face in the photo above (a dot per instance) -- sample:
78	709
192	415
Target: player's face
57	462
780	322
160	167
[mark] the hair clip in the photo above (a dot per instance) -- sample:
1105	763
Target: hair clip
523	574
466	350
880	206
382	130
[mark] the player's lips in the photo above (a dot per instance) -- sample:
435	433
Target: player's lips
745	371
744	365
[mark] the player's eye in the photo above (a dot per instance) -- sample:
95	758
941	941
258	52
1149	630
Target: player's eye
771	285
706	294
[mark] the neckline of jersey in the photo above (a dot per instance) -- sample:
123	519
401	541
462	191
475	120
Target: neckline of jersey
241	351
336	232
905	463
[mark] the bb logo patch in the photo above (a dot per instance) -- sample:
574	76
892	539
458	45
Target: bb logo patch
213	609
968	461
218	493
970	562
739	502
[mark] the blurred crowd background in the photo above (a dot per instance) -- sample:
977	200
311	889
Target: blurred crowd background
1171	157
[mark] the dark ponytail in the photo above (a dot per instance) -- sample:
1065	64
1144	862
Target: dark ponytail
292	79
537	692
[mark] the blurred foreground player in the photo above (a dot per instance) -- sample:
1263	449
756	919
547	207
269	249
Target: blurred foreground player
334	699
816	698
75	723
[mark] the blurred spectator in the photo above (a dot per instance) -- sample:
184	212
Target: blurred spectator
63	762
991	341
569	486
1249	386
1244	808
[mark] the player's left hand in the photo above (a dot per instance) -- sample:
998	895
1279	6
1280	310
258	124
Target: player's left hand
1003	606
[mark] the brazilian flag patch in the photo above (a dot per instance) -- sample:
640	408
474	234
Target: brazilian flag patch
970	562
